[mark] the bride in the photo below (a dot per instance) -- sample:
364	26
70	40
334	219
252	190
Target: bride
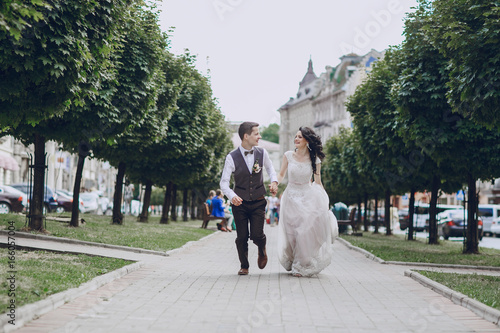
307	227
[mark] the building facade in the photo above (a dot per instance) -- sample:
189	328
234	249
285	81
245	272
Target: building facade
320	101
16	158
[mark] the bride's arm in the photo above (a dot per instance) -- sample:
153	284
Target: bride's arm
282	173
317	175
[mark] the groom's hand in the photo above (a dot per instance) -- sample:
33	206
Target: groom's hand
236	200
273	188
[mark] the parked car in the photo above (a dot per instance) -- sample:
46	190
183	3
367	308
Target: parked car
488	214
90	202
65	201
495	227
49	200
421	216
453	223
12	200
404	217
104	203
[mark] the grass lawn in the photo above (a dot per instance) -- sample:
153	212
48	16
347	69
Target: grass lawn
39	274
396	248
151	236
482	288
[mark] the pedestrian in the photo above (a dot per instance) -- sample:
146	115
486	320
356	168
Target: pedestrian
211	195
307	227
219	210
272	204
248	200
128	195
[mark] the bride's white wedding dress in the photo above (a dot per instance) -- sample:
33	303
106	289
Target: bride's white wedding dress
307	228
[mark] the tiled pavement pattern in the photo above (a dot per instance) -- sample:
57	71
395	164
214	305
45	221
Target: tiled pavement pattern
197	290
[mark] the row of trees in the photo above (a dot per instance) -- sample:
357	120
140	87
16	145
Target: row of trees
426	117
98	78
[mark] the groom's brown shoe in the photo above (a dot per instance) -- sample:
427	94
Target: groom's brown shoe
243	271
262	260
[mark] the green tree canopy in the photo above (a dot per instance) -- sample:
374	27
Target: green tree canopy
467	33
271	133
15	15
57	61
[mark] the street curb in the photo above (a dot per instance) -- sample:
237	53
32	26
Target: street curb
367	254
20	234
371	256
29	312
423	264
477	307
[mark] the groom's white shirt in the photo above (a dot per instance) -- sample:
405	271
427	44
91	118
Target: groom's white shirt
249	160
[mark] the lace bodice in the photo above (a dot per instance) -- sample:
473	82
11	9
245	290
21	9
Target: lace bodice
299	177
299	173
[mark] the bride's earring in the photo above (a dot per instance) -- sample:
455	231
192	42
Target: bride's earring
308	146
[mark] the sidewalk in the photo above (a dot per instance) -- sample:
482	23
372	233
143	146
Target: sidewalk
197	290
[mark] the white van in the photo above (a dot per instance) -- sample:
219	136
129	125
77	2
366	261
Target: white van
488	213
421	217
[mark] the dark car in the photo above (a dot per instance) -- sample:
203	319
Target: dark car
49	200
404	218
11	200
451	223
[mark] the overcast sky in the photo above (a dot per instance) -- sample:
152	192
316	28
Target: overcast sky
257	51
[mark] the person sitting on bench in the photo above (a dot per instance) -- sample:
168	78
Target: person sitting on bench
218	211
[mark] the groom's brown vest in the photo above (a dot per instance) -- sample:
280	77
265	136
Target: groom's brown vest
248	186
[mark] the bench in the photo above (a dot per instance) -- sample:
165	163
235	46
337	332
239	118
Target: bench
351	221
207	217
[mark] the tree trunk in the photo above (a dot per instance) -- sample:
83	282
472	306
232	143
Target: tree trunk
358	222
38	194
146	202
173	214
433	236
411	213
166	204
193	204
117	198
185	205
472	242
75	209
366	212
388	216
375	214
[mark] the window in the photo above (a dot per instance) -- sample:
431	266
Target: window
486	212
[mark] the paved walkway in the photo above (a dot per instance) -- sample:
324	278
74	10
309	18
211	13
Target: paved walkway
197	290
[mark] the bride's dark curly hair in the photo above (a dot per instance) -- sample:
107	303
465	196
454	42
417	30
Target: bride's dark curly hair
315	145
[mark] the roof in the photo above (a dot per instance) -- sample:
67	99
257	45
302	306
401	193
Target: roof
310	76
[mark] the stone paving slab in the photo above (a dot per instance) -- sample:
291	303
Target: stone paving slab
197	290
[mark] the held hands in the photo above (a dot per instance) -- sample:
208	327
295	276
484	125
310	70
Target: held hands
236	200
273	188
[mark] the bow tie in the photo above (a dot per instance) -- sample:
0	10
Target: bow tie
249	152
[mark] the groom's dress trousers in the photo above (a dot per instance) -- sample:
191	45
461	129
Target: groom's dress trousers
249	185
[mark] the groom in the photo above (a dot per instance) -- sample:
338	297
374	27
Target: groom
248	196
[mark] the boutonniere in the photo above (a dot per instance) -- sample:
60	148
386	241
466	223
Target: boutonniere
256	167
